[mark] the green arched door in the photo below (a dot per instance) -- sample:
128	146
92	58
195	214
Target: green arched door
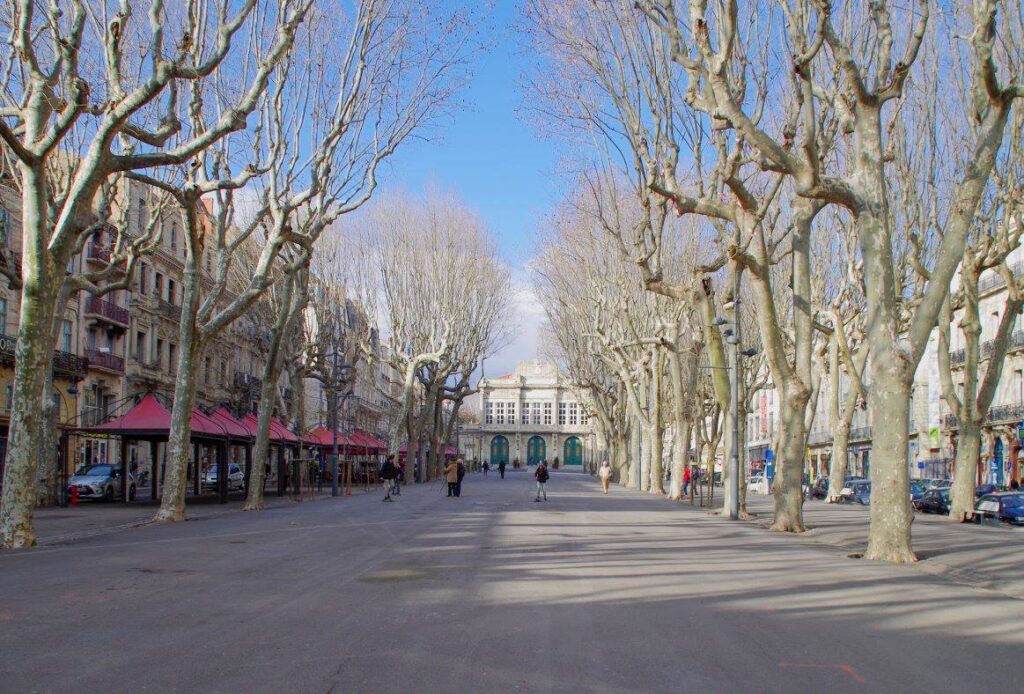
499	450
536	450
573	452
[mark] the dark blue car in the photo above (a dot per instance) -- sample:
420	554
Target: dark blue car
1007	507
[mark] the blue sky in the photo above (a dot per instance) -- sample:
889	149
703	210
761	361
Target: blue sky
491	157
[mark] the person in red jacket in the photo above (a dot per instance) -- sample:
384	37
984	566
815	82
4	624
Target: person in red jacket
686	480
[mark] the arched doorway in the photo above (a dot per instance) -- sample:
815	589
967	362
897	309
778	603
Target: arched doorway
573	451
499	450
536	450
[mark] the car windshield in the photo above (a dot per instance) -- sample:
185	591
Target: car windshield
917	486
1014	501
95	471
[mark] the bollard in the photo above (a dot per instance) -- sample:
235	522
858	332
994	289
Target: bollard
74	495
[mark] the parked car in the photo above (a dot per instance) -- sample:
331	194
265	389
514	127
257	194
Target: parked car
917	489
933	501
100	482
856	492
1007	507
941	484
236	479
983	489
758	484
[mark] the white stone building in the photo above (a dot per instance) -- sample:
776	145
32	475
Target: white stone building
528	416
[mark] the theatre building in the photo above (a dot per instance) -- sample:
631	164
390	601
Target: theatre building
528	416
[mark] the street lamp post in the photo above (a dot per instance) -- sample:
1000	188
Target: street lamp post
334	428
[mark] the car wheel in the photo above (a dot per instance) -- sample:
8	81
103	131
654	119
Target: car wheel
131	493
108	494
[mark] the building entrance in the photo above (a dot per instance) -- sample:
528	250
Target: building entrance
499	450
536	450
573	451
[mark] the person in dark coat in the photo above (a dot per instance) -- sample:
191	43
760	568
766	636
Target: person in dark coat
461	472
501	469
388	473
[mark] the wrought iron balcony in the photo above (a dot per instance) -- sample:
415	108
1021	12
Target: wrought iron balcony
168	310
65	364
248	381
107	311
105	361
1002	414
860	434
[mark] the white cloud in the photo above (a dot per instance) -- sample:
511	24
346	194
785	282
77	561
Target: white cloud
524	324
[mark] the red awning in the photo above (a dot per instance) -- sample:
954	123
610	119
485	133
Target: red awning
279	433
150	418
235	428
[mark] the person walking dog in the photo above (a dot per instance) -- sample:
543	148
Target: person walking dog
605	473
541	473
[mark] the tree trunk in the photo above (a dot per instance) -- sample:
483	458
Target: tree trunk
33	356
657	483
840	459
787	490
891	512
47	456
968	451
283	325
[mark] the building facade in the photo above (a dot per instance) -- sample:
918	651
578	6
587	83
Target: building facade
529	416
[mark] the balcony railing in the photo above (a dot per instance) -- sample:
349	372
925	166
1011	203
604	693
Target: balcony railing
106	309
168	310
860	434
70	366
105	360
816	437
1003	414
1016	341
994	280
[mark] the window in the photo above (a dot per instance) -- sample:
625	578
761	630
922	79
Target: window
223	373
3	316
489	413
172	363
511	413
174	235
158	286
9	398
534	413
159	356
561	414
141	216
584	417
500	409
171	292
143	278
206	370
574	414
547	413
140	346
5	227
67	336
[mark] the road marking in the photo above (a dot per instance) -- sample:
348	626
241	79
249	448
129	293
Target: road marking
842	667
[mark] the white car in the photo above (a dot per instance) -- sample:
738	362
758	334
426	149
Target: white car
758	484
236	479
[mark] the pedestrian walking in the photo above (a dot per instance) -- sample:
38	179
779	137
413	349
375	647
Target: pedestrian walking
388	473
541	473
451	476
460	474
605	473
687	473
486	468
399	476
501	469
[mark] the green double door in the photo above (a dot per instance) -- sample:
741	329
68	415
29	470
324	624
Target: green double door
499	451
536	450
573	451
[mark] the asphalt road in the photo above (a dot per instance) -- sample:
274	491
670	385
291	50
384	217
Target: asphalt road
491	592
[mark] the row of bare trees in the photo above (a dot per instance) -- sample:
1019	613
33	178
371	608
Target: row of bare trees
261	124
843	164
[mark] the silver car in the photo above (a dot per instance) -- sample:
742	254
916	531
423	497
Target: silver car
100	482
236	479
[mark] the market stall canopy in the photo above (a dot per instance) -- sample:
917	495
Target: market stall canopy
149	418
279	433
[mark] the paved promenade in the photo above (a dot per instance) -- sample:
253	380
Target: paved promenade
491	592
